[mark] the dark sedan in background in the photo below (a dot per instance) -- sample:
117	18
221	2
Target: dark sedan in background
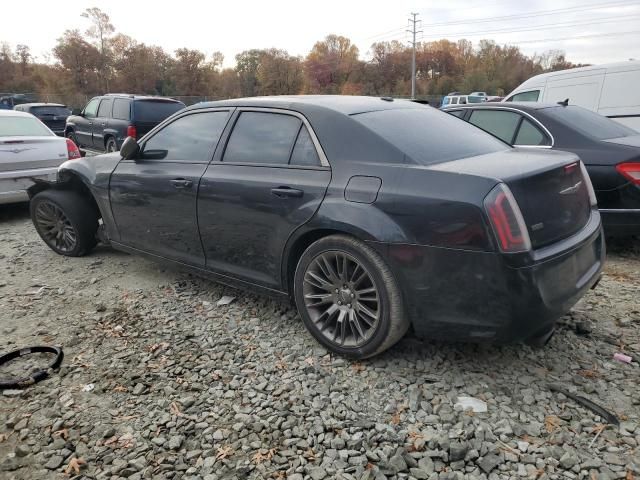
362	210
53	115
609	150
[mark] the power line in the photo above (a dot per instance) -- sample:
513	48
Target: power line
413	31
538	27
539	13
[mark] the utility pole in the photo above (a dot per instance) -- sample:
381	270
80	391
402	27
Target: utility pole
413	31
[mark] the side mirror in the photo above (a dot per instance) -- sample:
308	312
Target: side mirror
130	148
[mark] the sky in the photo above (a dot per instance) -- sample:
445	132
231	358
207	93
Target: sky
589	31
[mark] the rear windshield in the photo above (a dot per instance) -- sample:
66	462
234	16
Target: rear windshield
22	127
430	136
155	111
589	123
50	111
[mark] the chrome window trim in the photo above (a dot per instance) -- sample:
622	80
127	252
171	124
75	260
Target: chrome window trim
324	162
528	116
619	210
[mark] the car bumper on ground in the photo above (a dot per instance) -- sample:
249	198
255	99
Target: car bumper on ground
621	222
468	295
14	185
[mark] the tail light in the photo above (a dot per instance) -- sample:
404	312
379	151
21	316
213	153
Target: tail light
587	182
506	220
630	170
131	131
73	153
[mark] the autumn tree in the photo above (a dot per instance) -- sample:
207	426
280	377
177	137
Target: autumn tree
79	60
100	30
330	64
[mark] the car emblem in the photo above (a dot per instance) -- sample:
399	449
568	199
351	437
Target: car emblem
571	190
55	118
17	150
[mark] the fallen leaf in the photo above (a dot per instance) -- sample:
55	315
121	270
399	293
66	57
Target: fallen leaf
357	367
120	388
551	423
629	475
62	433
309	360
74	465
3	437
224	452
260	457
281	365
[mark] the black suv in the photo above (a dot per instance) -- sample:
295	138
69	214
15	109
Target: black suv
106	121
53	115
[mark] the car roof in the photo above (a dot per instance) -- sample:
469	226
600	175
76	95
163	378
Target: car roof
42	104
14	113
138	97
344	104
527	106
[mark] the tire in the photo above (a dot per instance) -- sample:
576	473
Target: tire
111	145
72	136
356	333
52	210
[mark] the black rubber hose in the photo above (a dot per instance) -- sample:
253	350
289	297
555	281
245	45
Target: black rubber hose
36	376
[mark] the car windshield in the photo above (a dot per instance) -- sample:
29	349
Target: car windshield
154	110
430	136
51	111
589	123
14	126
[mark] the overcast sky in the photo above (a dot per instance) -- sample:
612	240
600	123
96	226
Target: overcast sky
609	30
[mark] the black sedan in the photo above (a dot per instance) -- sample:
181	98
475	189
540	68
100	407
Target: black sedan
609	150
348	205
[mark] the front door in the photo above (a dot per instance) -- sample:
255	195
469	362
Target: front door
100	123
269	181
153	198
84	123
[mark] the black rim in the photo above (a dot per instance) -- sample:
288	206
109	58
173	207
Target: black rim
342	299
55	226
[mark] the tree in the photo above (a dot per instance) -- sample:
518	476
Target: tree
330	64
188	71
279	73
79	59
100	31
247	64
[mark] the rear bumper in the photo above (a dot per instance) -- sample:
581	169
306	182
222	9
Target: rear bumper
14	185
620	222
465	295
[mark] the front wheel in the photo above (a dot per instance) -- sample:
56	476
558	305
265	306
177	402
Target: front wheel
111	145
66	221
348	297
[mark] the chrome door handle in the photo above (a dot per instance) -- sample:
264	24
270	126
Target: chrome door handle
284	192
181	183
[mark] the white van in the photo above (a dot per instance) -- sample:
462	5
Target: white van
612	90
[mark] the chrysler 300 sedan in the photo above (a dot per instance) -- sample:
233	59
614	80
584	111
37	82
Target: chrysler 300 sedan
372	215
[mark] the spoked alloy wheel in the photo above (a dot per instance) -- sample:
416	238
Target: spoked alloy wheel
342	299
55	226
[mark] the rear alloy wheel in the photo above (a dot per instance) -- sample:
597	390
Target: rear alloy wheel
65	221
348	298
111	145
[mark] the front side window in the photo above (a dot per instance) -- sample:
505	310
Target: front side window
529	134
189	139
262	137
530	96
121	109
105	108
92	108
500	123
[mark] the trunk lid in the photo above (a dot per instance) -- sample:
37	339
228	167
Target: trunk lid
28	153
548	186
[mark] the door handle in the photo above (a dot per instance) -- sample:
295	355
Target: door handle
103	124
284	192
181	183
90	123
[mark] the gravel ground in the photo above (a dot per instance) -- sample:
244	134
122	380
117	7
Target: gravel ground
160	382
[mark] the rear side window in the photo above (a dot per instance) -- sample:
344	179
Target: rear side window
154	111
425	134
530	96
190	139
121	109
22	127
456	113
529	134
105	108
500	123
588	123
304	151
260	137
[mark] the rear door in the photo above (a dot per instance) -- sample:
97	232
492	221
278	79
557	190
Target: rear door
270	180
101	122
153	198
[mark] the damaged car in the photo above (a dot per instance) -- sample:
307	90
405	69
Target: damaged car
371	223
